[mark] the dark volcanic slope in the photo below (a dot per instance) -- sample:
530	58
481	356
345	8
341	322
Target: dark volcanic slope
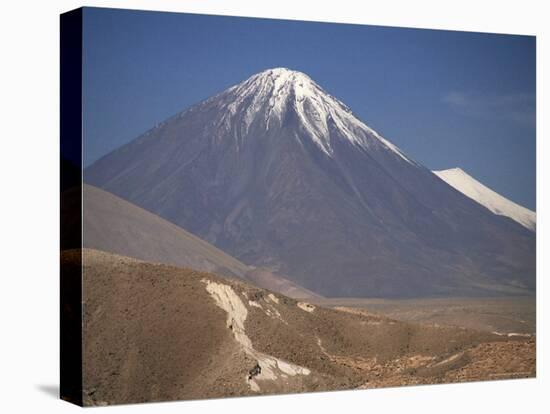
154	332
279	174
114	225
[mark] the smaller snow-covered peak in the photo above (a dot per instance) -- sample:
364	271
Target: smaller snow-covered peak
456	170
470	187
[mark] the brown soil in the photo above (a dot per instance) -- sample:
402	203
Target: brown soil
153	332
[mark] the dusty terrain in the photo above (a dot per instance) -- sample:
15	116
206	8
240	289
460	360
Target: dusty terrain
504	315
155	332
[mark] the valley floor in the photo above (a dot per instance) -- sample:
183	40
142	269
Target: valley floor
504	315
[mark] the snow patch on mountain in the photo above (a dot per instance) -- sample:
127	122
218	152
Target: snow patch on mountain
271	93
488	198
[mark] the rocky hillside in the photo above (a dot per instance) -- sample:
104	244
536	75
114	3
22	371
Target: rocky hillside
155	332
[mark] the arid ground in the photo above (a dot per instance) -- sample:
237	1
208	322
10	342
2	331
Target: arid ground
155	332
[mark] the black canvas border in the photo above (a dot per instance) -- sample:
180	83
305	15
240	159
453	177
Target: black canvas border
71	378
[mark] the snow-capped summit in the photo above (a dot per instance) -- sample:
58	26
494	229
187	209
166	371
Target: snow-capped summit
266	97
469	186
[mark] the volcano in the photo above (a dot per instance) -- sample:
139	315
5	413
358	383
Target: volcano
280	174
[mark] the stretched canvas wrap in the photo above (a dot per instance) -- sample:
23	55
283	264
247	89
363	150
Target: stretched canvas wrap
259	206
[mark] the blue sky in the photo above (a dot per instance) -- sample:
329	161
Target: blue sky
448	99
